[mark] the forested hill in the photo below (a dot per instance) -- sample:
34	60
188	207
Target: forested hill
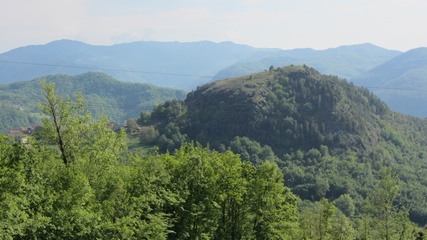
330	137
359	169
118	100
286	108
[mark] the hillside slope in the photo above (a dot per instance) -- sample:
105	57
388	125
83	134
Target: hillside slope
400	82
329	137
292	107
104	94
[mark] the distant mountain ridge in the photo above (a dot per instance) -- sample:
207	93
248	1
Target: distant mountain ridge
401	82
183	65
171	64
397	78
345	61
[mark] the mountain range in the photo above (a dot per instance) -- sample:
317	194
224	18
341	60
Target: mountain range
401	82
345	61
169	64
180	65
396	77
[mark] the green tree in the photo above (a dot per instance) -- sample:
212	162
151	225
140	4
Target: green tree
322	220
272	206
252	151
172	138
131	125
345	204
13	203
152	196
148	135
76	189
326	211
233	183
387	218
78	136
198	215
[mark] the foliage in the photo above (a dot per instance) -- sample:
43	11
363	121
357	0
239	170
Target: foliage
388	221
104	95
289	108
252	151
74	132
12	117
322	220
80	188
85	186
148	135
330	138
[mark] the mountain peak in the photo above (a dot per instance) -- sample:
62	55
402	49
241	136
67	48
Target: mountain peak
317	109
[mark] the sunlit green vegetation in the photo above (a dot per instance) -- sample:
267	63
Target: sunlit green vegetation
104	95
329	137
349	169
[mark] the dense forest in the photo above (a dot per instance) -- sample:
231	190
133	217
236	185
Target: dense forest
330	138
287	153
106	95
77	182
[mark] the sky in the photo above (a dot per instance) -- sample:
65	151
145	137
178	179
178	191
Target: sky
285	24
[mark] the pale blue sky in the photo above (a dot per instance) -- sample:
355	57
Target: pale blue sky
286	24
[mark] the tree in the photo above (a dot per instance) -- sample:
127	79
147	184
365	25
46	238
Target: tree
322	220
272	205
252	151
13	216
326	212
341	227
197	217
131	125
72	192
345	204
148	135
78	137
232	196
387	219
225	198
65	117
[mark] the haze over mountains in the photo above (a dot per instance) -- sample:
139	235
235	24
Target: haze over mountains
345	61
390	74
172	64
401	82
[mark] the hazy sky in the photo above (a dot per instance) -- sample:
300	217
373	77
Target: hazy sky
286	24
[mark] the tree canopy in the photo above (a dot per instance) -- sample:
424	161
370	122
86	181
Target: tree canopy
76	180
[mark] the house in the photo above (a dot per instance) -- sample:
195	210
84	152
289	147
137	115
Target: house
19	132
15	133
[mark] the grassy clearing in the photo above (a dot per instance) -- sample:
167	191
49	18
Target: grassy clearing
135	146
